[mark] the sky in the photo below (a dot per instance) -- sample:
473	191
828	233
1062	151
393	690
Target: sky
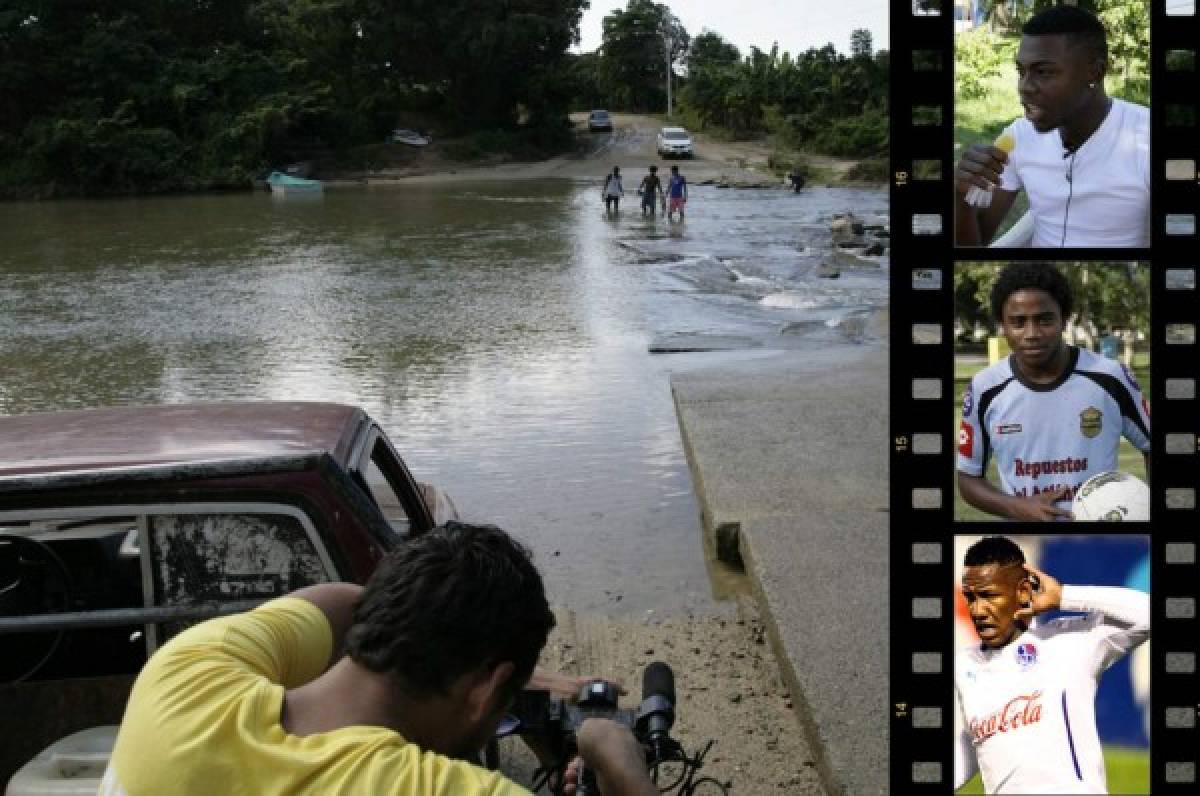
796	24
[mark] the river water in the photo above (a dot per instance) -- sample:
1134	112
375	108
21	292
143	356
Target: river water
501	332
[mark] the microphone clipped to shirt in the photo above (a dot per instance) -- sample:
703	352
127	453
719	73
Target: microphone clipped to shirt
1069	152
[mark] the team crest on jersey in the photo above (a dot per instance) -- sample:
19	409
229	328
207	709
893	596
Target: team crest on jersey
1091	420
968	401
1027	655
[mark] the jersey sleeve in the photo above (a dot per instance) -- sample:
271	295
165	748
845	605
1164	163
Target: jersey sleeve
965	763
970	434
1010	179
1135	416
1118	620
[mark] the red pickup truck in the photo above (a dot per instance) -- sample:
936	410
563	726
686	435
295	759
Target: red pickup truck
120	526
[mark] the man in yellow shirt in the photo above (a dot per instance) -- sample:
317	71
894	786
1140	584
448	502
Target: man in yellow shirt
445	633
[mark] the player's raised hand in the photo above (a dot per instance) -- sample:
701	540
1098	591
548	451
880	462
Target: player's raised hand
979	166
1040	507
1045	594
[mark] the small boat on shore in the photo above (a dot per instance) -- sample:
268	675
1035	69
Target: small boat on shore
281	183
410	137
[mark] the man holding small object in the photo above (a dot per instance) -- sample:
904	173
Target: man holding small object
1051	414
1026	692
437	644
1082	157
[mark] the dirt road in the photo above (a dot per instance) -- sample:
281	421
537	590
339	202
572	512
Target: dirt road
631	145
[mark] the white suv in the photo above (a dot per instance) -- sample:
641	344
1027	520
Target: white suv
674	142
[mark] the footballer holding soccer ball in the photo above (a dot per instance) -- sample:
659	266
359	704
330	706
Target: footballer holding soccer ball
1051	414
1026	693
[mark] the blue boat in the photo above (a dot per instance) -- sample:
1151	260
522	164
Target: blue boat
286	184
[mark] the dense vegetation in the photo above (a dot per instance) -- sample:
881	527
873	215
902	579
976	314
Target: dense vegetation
141	96
819	100
107	97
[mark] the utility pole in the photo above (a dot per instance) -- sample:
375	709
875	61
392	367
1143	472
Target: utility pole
669	24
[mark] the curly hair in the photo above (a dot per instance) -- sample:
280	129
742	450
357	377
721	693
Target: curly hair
994	550
1041	276
448	601
1079	24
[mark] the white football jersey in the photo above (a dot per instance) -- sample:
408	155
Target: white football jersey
1026	712
1049	436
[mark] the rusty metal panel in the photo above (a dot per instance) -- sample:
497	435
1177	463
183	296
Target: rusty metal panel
228	557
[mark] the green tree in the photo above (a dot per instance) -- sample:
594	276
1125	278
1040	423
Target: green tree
818	100
633	66
861	43
155	95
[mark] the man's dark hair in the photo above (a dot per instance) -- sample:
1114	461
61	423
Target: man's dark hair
994	550
447	601
1080	25
1040	276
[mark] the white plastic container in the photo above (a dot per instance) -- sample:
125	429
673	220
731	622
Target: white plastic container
71	766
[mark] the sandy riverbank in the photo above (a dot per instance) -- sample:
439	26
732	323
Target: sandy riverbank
631	145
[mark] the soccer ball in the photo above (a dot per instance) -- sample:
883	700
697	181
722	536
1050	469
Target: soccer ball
1112	497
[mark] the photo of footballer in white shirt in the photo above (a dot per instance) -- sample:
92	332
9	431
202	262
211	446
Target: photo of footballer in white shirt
1025	690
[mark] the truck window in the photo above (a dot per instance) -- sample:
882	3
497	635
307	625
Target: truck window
384	489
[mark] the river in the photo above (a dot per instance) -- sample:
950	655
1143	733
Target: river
500	331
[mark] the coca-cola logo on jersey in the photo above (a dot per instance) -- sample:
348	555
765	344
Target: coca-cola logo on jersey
1021	711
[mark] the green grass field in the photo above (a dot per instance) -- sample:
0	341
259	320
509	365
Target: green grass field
1128	772
1129	459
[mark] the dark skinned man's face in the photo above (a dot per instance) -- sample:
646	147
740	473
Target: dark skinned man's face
1032	323
994	594
1053	73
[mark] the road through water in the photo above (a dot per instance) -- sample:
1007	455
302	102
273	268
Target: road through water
499	331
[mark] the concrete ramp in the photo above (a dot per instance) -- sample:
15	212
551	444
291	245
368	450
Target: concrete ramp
789	459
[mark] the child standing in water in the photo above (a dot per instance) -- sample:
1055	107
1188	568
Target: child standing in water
677	192
613	191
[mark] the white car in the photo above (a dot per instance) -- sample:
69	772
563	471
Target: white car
674	142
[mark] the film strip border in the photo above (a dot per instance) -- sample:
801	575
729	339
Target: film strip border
922	395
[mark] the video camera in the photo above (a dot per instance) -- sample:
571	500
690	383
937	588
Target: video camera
551	725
